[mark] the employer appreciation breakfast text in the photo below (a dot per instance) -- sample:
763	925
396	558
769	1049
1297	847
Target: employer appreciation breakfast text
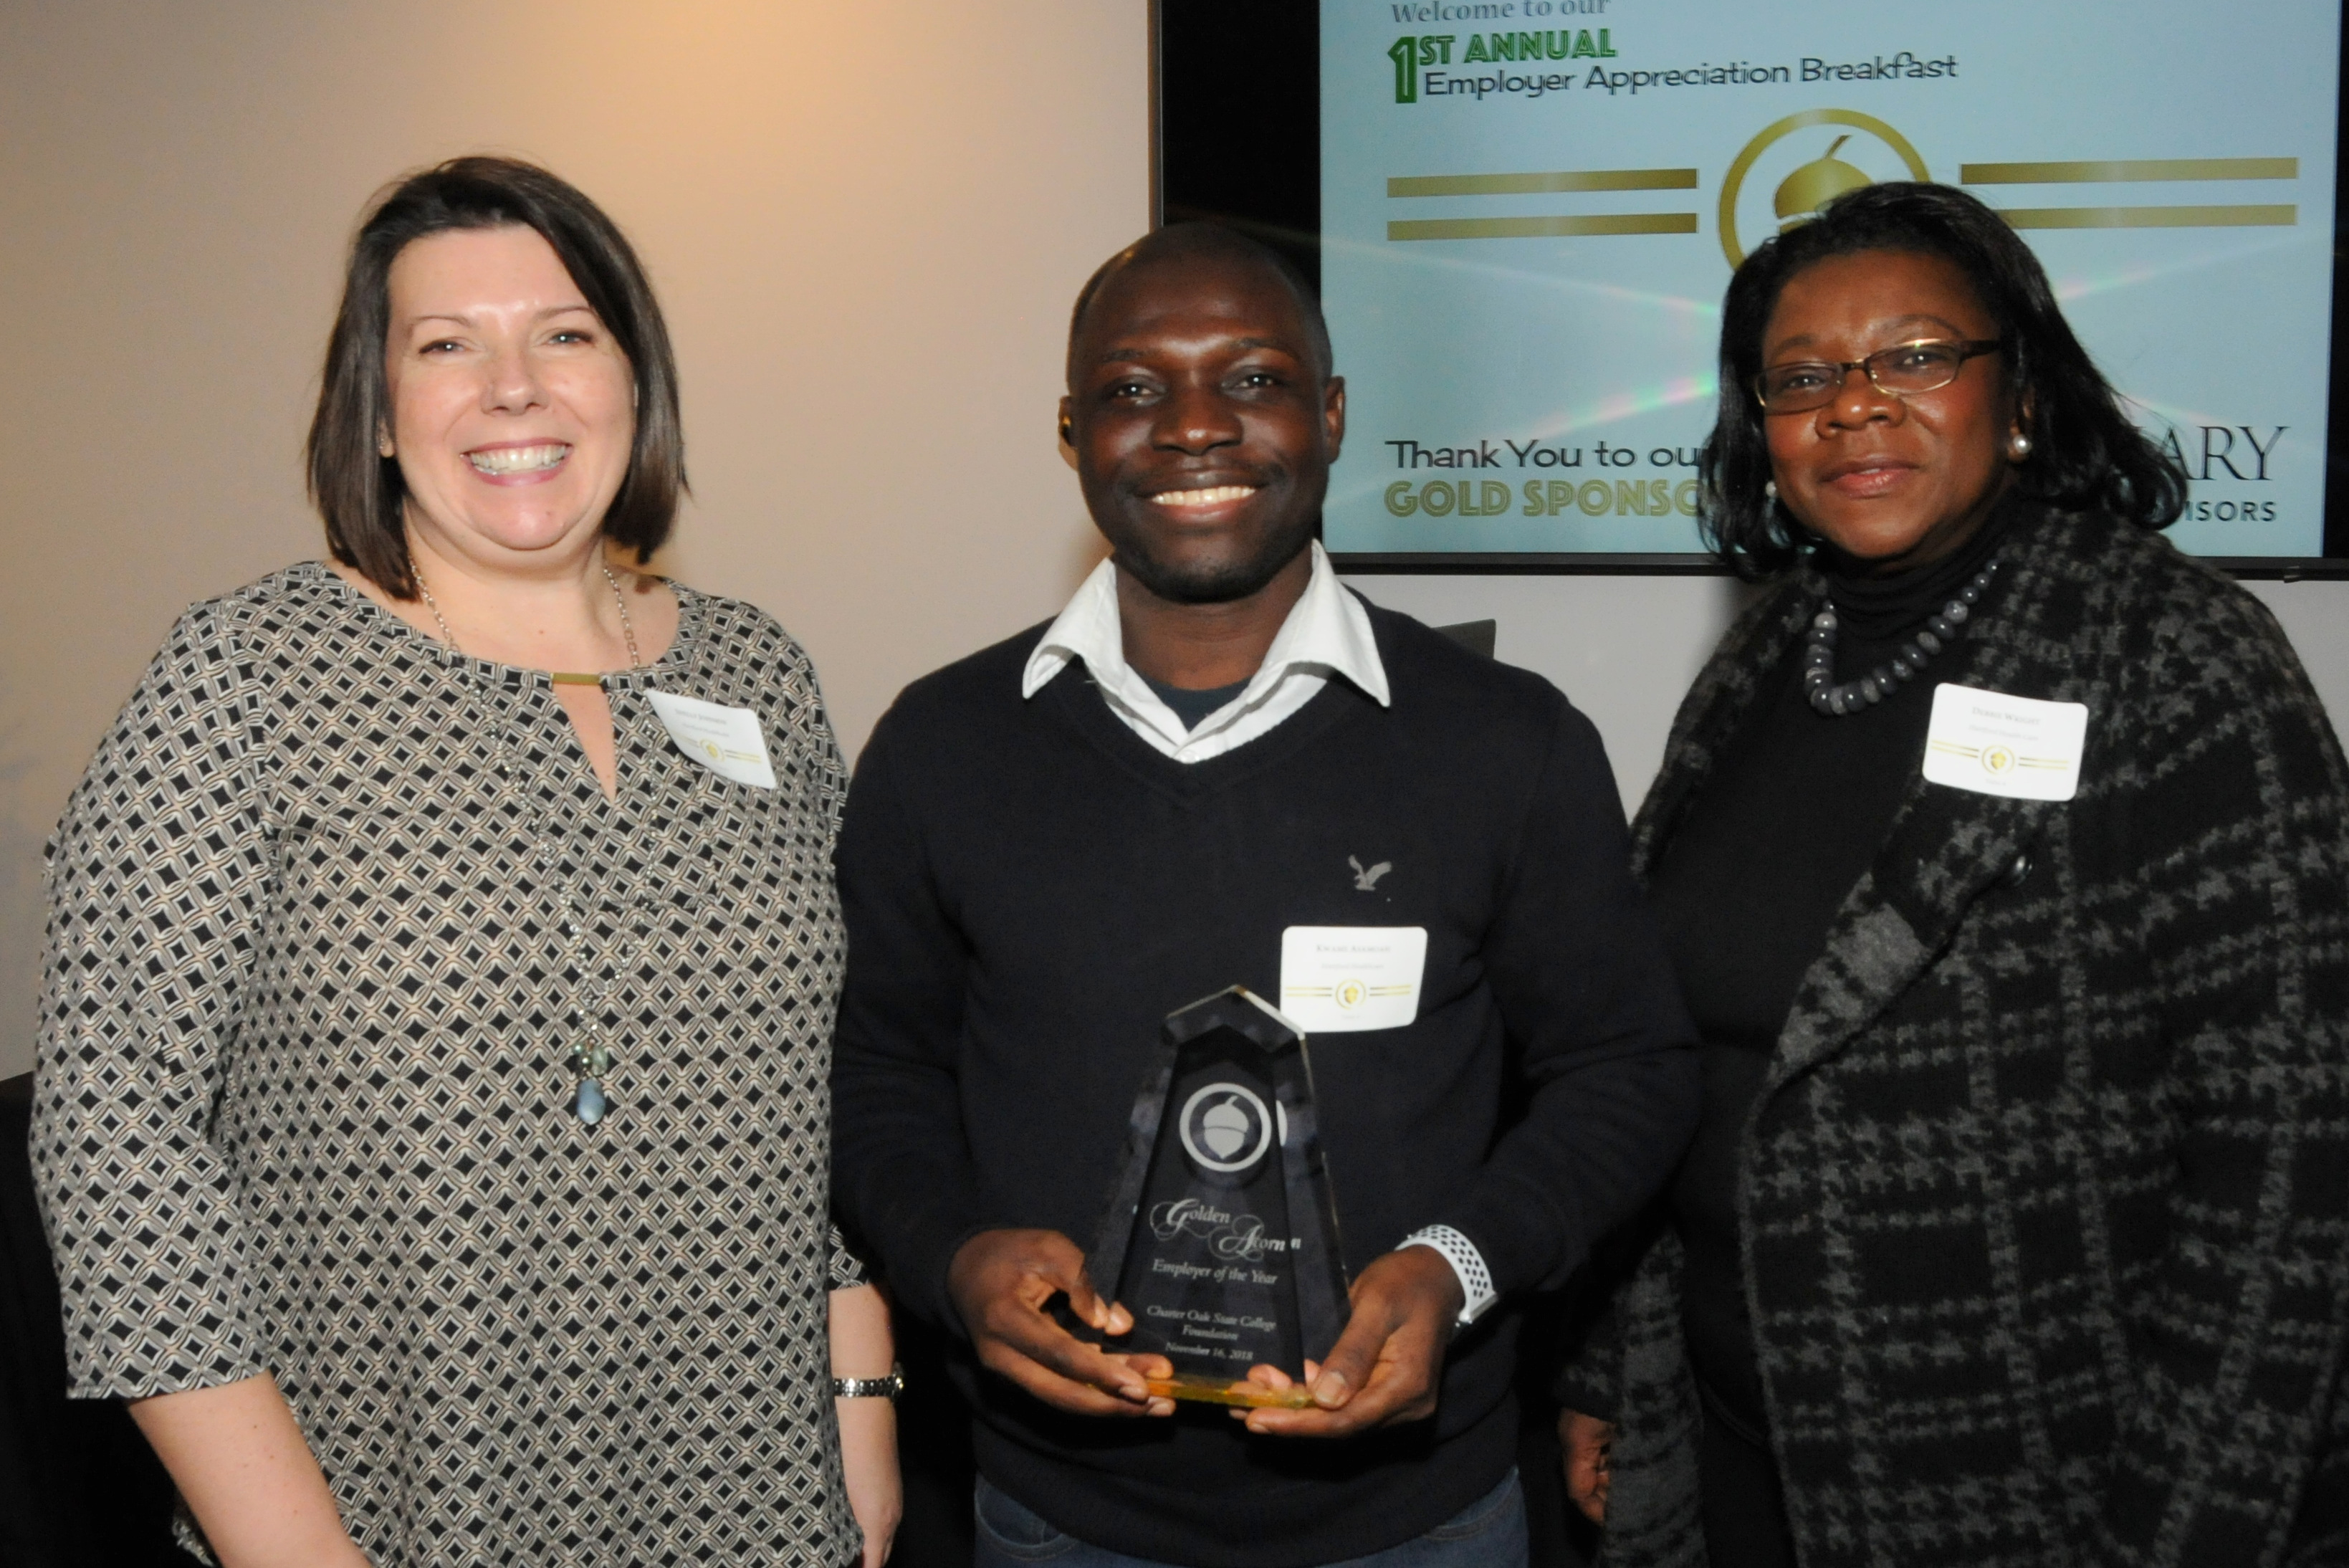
1903	66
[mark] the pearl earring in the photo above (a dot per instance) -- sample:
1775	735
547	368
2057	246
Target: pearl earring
1769	490
2018	446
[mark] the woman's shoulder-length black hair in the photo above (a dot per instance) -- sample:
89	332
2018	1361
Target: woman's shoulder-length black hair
359	491
2087	454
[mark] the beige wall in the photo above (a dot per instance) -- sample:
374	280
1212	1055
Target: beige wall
866	220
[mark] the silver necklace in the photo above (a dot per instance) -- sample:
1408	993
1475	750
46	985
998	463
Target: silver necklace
1835	699
560	677
591	1059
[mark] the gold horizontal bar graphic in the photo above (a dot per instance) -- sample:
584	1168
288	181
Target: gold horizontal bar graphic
2282	217
1543	228
1543	184
2112	170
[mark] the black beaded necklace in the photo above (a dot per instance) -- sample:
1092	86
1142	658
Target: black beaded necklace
1834	698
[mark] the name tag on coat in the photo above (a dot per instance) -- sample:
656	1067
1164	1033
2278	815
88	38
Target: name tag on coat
1991	743
1340	978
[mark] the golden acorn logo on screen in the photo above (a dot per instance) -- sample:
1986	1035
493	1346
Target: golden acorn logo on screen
1798	164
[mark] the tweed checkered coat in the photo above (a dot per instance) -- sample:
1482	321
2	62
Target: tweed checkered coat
2045	1200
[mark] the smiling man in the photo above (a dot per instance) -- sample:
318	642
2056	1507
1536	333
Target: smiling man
1055	843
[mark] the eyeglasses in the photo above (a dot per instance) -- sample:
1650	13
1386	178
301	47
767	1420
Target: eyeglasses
1911	367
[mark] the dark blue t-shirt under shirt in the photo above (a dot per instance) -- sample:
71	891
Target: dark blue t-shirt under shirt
1192	707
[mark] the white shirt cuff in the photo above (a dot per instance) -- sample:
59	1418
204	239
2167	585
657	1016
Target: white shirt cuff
1476	1291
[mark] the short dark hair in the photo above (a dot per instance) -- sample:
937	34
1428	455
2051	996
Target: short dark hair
2087	454
1200	237
359	491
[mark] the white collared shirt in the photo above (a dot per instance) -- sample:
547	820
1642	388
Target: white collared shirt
1327	633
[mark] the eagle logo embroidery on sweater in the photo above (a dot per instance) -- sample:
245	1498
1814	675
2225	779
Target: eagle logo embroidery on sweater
1368	881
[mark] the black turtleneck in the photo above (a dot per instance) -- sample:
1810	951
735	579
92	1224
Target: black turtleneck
1752	876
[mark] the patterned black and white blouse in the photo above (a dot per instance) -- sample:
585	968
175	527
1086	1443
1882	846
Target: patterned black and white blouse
329	914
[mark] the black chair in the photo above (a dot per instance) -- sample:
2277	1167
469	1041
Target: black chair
80	1488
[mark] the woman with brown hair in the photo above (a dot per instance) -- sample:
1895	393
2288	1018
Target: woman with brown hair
432	1118
2003	852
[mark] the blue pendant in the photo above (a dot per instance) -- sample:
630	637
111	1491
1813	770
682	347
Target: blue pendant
592	1103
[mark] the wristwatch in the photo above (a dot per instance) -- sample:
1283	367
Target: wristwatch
887	1387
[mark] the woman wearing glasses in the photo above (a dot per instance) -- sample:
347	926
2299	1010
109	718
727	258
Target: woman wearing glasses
2004	855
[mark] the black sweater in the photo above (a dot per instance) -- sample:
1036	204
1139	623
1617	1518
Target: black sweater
1030	889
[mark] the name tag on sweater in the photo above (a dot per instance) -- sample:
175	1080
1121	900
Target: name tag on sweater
1340	978
726	740
1992	743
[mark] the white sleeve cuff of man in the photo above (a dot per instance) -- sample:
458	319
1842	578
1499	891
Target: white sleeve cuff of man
1476	1292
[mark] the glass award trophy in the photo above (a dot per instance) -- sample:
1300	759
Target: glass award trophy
1221	1236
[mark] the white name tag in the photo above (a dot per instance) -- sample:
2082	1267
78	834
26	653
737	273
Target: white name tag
1337	978
1992	743
726	740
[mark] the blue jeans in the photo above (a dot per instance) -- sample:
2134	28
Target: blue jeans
1488	1533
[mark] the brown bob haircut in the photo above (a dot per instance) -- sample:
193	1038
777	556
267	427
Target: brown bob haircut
359	491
